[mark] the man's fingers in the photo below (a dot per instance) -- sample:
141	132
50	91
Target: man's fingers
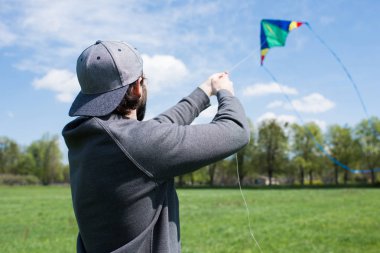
223	74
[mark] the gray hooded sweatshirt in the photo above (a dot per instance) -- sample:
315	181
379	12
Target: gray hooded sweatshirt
122	171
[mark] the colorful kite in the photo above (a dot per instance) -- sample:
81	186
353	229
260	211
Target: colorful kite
273	33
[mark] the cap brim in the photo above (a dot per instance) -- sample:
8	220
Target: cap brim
97	104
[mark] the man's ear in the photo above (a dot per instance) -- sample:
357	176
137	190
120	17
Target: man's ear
136	89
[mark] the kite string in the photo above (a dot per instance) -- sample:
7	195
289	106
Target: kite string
245	58
334	55
343	67
370	122
320	147
241	61
347	74
246	205
237	163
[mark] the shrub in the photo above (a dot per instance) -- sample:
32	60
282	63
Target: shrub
10	179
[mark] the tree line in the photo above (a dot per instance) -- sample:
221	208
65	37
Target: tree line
278	153
39	162
292	154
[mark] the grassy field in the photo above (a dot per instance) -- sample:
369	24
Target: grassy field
40	219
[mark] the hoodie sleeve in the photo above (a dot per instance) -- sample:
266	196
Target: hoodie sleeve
164	150
186	110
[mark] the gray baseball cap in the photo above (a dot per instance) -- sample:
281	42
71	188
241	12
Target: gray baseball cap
104	72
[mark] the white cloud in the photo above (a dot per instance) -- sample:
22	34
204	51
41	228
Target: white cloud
163	71
6	37
261	89
313	103
52	34
283	118
57	31
61	81
30	65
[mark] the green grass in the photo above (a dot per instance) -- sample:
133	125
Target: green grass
36	219
40	219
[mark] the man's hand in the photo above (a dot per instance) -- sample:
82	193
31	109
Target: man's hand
206	86
221	81
217	82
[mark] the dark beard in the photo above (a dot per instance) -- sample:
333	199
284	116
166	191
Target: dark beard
141	108
141	112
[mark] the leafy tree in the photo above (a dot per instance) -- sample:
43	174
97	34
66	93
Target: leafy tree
368	134
226	172
47	157
207	175
211	169
343	148
26	164
66	173
305	150
9	155
247	156
272	146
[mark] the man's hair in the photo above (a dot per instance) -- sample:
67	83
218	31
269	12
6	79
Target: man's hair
132	102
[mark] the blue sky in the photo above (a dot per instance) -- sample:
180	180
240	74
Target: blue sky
182	43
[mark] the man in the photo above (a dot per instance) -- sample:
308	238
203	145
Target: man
122	169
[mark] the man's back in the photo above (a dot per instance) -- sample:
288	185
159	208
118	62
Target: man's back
114	202
122	171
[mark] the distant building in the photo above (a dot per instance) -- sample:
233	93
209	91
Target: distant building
264	180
